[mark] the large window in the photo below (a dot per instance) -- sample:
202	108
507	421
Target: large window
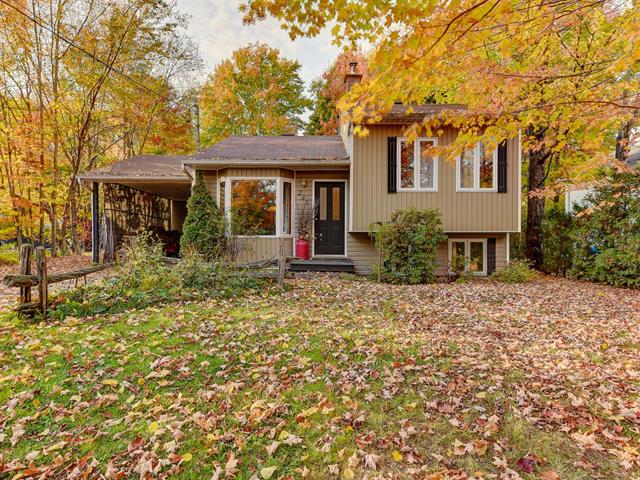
468	255
253	207
418	164
286	208
476	169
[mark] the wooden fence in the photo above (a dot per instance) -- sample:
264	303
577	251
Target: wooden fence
25	280
42	279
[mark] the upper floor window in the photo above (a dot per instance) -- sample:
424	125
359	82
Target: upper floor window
418	166
476	169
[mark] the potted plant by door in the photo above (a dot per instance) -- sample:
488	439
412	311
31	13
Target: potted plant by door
304	229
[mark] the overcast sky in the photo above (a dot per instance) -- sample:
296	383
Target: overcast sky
217	27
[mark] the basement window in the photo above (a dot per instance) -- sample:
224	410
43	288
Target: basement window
468	255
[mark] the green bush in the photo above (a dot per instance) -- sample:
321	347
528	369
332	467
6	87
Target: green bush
143	279
204	228
607	233
409	243
517	271
557	246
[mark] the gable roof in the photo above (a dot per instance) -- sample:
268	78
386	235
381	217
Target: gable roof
284	149
141	167
402	114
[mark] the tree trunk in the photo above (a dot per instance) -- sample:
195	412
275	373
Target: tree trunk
536	178
622	142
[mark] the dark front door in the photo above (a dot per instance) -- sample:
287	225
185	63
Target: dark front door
329	218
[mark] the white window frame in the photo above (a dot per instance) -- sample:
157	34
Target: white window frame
280	207
416	165
476	172
467	250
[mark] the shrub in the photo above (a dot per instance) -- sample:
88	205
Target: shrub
204	228
557	245
607	233
517	271
408	245
143	279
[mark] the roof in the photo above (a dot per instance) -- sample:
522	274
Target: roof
142	167
284	149
401	113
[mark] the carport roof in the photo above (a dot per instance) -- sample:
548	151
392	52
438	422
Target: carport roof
164	168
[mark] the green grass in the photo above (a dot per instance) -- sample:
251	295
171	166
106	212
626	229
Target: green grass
233	376
9	257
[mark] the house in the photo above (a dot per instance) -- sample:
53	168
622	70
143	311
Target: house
578	197
352	182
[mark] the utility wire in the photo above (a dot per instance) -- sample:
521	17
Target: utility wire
83	50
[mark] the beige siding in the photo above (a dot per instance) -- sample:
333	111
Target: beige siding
250	172
360	249
461	211
363	253
178	214
304	193
262	248
210	178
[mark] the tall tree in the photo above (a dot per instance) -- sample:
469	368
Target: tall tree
83	84
565	74
255	92
328	89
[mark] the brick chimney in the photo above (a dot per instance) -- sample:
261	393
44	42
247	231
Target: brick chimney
351	78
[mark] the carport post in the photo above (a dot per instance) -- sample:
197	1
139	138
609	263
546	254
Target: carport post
95	224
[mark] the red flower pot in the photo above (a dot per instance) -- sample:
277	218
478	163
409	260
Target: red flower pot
302	249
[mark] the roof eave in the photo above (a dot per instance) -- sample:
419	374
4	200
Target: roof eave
118	179
267	162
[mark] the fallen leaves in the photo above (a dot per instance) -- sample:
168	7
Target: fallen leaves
334	378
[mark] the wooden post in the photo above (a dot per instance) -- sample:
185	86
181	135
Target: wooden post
25	269
43	286
380	259
95	223
282	263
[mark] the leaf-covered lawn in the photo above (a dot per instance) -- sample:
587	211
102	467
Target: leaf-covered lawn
337	378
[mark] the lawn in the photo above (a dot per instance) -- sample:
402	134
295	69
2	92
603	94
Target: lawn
335	378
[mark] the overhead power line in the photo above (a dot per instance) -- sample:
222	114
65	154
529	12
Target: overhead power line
83	50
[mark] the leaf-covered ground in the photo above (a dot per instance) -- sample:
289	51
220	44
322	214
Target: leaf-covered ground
336	378
9	296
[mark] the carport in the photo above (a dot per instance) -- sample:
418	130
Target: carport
144	192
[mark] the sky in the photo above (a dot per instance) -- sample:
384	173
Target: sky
216	25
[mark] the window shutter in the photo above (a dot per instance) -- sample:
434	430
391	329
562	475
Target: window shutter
502	167
491	255
392	164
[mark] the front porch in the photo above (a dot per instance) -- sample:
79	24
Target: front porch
322	264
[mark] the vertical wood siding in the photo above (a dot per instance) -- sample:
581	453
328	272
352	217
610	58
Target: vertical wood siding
304	194
178	214
461	211
210	178
257	248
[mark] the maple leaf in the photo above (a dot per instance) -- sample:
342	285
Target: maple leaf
231	467
527	464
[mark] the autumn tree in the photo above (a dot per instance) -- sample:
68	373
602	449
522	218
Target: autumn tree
255	92
328	89
564	75
83	84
